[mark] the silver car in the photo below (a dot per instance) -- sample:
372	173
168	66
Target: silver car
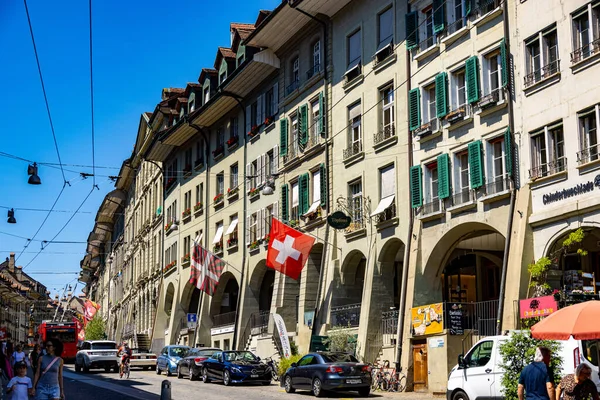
143	359
97	354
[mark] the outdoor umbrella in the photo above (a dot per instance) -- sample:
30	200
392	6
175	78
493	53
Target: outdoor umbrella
579	320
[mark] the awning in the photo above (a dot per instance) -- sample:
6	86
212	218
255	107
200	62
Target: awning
232	227
313	208
383	205
218	235
353	66
384	45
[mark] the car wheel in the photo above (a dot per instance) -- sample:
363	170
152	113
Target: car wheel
157	370
179	376
288	384
317	387
191	375
226	378
205	377
364	392
460	395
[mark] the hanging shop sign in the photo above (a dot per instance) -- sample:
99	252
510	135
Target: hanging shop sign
427	320
537	307
455	319
576	190
339	220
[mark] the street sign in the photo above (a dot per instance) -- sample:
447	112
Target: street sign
192	320
339	220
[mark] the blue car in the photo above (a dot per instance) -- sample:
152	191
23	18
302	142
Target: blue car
235	367
169	358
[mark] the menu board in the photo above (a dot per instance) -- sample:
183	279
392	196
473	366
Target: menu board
455	319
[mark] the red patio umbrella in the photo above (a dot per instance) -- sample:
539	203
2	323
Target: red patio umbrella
580	321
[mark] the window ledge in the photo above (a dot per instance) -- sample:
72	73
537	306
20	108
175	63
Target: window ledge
170	271
585	63
218	253
270	127
233	196
490	109
198	166
381	65
487	17
187	174
421	55
459	122
219	156
490	198
199	211
233	248
428	136
354	159
462	207
542	84
384	144
432	216
311	150
588	166
254	251
357	234
448	40
318	221
287	165
348	86
254	197
545	180
219	204
388	223
187	218
185	264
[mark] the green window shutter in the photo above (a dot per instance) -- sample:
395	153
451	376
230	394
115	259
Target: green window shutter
321	114
284	202
323	173
443	165
504	62
441	94
439	16
414	108
508	150
411	22
304	200
472	78
283	136
468	7
475	164
303	125
416	188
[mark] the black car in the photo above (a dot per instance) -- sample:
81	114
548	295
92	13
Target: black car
235	367
328	371
191	363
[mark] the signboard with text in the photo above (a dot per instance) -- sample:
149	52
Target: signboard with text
427	320
537	307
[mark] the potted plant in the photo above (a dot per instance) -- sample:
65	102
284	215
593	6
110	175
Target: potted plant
253	131
269	120
254	245
185	259
218	198
232	141
232	191
186	213
198	206
218	247
253	192
168	225
169	266
218	151
231	242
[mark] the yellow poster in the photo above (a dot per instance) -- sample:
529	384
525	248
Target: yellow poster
428	319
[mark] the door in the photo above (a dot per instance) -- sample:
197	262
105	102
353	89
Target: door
479	375
218	366
419	350
162	358
303	374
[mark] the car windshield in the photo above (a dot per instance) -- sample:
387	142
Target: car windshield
104	346
178	351
338	357
239	356
200	353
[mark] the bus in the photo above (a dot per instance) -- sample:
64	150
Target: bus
66	332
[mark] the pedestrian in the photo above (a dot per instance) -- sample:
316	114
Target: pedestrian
33	357
537	379
20	387
19	355
9	362
578	386
48	382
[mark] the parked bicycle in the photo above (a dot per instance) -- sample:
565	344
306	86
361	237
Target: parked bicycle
387	381
274	367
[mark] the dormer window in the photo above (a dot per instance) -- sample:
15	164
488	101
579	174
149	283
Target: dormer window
175	120
206	94
192	103
181	112
222	77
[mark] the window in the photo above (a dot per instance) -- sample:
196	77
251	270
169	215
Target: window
387	110
496	166
253	174
354	45
187	200
233	177
458	96
462	190
356	203
588	135
270	164
171	174
316	57
295	70
206	94
314	123
187	246
294	135
427	33
181	111
586	32
254	114
432	199
253	227
295	202
192	103
220	183
541	58
222	77
218	239
269	214
269	103
547	151
220	137
456	15
199	152
232	231
199	195
316	191
492	75
429	103
386	209
233	128
355	134
386	26
174	252
538	155
188	160
480	355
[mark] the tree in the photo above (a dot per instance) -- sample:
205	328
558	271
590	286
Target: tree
95	329
340	339
517	352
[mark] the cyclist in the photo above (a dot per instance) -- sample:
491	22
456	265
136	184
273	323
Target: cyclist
125	353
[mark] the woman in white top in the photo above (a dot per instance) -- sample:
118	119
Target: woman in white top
19	355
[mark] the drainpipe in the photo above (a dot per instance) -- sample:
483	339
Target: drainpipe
328	145
511	124
407	247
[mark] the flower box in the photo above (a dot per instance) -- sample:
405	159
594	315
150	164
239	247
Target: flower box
293	223
198	207
218	152
169	266
185	259
170	183
269	120
198	164
254	131
232	141
253	192
254	245
218	248
168	225
218	199
232	191
187	213
232	242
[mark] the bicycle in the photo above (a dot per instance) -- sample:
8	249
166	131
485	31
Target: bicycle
387	381
274	367
125	370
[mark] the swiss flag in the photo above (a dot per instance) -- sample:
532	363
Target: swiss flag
288	249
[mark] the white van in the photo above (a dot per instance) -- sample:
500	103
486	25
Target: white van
478	375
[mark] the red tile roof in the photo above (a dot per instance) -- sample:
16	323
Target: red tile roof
238	25
227	53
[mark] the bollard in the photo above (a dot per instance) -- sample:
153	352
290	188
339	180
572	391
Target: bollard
165	390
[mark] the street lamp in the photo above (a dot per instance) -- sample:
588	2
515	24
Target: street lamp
11	216
32	171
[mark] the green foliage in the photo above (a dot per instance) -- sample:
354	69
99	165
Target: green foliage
574	237
293	347
285	363
340	339
517	353
95	329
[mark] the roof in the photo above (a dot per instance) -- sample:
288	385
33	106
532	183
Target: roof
239	25
262	14
206	71
227	53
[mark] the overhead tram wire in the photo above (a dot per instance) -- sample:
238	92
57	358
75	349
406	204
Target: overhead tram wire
43	210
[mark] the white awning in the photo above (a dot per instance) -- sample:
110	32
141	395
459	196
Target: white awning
313	207
316	187
383	205
232	227
218	235
294	194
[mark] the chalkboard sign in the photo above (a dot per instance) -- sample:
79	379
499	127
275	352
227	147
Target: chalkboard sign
455	319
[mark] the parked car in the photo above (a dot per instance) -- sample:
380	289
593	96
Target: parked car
478	373
235	367
143	359
191	364
328	371
169	358
97	354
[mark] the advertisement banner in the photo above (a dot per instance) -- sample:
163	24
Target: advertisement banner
427	320
283	335
537	307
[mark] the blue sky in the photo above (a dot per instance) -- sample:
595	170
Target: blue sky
139	48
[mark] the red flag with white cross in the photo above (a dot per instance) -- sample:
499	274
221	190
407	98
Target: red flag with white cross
288	249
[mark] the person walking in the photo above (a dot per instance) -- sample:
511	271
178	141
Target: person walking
20	386
578	386
48	382
33	358
9	360
19	355
537	379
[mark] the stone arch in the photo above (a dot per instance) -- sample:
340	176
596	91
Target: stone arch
226	294
169	298
354	263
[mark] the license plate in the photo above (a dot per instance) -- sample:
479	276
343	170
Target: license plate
143	357
353	381
254	376
106	353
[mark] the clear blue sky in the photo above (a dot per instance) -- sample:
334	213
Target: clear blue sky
139	48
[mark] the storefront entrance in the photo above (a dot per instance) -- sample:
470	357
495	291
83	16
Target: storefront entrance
419	355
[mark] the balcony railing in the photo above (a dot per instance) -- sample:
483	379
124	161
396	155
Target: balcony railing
356	211
426	43
542	73
292	152
354	149
386	133
588	155
388	214
486	7
224	319
455	26
492	98
389	327
462	197
292	86
498	186
586	51
347	316
428	127
458	113
549	168
313	71
314	139
480	316
260	320
432	207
